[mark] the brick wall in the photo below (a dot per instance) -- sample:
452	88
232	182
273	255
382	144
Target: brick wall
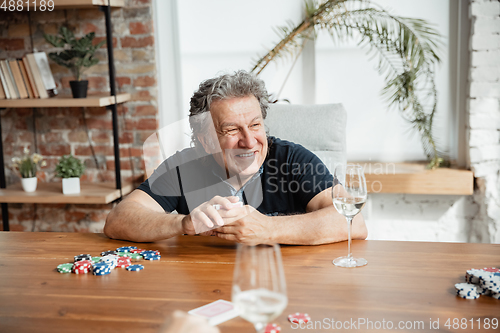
484	117
59	131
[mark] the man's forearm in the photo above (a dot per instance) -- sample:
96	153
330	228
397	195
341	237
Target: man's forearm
137	223
319	227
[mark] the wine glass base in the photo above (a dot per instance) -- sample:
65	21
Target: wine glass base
349	262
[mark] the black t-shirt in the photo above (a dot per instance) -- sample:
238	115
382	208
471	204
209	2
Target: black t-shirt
290	177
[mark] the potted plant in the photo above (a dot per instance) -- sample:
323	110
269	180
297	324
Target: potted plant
27	167
78	56
70	169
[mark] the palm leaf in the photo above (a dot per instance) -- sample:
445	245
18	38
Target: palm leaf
406	48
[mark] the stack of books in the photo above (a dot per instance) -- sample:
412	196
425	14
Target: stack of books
29	77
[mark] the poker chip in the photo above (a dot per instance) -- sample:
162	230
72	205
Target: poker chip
126	248
111	259
474	275
135	268
468	297
104	264
102	268
150	252
152	257
479	282
83	257
299	318
82	267
135	256
65	268
123	262
272	328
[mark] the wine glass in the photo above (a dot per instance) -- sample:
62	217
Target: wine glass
259	288
349	198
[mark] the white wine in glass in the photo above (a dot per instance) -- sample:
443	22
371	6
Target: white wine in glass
349	197
259	287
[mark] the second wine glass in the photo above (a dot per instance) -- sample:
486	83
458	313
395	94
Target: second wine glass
259	288
349	197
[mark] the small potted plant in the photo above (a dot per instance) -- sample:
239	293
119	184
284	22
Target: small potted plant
27	167
78	56
70	169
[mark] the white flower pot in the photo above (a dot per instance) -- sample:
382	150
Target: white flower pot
71	185
29	184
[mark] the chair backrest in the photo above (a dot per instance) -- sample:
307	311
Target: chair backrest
319	128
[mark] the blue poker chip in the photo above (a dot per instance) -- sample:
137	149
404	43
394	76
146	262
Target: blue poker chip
135	268
126	248
150	252
152	257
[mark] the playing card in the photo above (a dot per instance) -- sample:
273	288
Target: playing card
216	312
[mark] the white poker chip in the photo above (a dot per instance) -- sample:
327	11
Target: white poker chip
474	275
465	287
469	297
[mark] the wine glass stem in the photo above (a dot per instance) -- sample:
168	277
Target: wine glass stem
349	226
259	327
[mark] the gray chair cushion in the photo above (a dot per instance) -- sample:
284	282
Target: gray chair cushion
319	128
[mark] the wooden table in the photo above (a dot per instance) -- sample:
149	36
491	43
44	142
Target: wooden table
410	282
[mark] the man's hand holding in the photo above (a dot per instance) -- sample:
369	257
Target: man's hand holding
251	228
206	216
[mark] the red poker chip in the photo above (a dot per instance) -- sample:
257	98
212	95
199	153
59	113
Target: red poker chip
123	262
299	318
492	269
136	250
272	328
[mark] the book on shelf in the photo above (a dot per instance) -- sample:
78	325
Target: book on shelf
3	81
48	79
31	79
37	77
24	74
18	78
9	79
2	93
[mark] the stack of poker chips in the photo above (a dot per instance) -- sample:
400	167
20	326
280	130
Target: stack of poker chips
102	268
479	282
151	255
82	267
104	265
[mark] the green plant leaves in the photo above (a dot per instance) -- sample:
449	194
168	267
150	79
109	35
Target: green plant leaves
69	167
79	53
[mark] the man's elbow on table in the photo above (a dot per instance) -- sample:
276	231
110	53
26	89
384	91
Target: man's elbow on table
110	227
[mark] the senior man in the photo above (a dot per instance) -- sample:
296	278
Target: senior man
236	182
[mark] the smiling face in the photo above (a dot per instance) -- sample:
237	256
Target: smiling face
241	135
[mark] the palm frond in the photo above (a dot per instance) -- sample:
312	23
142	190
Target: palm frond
406	48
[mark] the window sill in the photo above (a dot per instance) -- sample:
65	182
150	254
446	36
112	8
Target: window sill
414	178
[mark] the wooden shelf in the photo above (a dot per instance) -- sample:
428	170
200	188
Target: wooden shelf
63	101
47	193
69	4
414	178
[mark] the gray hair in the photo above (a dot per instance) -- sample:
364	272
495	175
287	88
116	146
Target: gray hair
239	84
